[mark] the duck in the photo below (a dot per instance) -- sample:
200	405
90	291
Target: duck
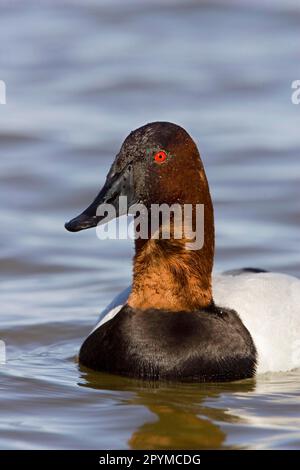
176	321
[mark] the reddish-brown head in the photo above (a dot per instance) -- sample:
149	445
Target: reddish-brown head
159	163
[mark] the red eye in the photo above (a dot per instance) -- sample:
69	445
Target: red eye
160	157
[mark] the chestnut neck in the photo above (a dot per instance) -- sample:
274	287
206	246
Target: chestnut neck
168	276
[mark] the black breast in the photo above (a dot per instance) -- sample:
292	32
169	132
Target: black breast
205	346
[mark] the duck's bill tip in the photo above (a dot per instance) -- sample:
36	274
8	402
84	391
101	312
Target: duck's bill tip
82	222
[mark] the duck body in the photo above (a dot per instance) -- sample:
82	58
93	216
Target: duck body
209	345
176	321
268	308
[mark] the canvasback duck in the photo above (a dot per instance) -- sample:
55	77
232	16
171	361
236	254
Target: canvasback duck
175	322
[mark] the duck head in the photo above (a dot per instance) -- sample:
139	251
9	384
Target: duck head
159	163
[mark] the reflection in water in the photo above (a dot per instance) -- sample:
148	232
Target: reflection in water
182	418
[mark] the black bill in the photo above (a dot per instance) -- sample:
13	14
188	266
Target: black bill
116	185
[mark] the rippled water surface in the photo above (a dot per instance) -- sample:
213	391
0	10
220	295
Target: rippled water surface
80	75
